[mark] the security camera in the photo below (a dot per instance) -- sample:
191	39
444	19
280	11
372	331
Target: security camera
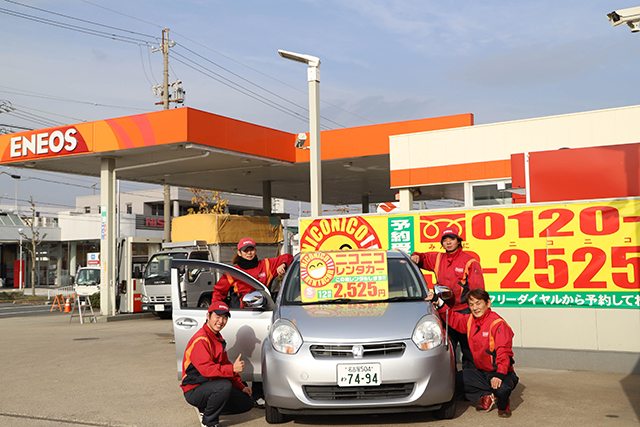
300	140
630	16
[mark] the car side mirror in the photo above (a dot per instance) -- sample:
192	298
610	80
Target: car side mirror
442	292
253	300
72	279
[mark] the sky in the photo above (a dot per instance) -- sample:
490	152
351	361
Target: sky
382	61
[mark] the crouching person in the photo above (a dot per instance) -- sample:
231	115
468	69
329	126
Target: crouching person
490	340
209	380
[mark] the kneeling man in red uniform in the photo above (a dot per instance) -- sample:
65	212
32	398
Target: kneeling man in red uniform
490	340
209	380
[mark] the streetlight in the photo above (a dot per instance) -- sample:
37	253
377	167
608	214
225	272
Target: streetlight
629	16
20	231
16	178
313	76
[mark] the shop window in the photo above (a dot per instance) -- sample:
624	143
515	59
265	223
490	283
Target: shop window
492	194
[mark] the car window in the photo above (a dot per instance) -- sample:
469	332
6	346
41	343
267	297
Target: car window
404	282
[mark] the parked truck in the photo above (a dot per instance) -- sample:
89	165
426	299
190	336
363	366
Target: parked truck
203	237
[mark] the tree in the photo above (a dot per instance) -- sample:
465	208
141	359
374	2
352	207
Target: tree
207	202
32	242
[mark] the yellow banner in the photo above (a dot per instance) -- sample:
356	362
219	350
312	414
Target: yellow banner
570	254
357	275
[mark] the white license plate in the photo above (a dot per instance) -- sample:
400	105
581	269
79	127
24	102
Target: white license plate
359	375
159	307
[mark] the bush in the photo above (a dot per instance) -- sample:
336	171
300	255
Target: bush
95	300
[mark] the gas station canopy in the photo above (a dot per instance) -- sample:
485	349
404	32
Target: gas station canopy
192	148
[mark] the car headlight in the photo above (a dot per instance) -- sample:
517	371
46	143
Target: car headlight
145	299
285	337
427	333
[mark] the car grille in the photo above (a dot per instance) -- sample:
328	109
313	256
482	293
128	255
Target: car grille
160	298
383	391
346	351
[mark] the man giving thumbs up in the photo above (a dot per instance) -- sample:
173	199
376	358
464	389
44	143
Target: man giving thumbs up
209	380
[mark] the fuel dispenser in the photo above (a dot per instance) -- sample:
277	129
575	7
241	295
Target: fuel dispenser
133	254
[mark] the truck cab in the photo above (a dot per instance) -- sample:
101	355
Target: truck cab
156	285
87	281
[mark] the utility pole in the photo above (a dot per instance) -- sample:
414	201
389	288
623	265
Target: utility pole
166	45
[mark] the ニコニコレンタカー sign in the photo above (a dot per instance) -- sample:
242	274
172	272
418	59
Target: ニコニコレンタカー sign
557	255
356	275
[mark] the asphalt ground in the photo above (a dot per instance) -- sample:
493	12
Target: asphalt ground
123	373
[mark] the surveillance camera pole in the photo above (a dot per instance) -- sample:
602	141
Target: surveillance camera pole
313	74
315	158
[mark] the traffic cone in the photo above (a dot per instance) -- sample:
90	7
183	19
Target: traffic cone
67	306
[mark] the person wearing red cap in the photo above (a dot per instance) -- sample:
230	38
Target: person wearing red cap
458	271
232	290
246	259
210	381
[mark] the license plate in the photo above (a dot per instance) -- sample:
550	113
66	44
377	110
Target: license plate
159	307
359	375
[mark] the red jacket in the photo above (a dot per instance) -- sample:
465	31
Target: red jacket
490	339
264	272
206	359
451	273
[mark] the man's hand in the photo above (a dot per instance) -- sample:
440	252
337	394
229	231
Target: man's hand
281	269
247	390
415	258
496	382
430	296
238	365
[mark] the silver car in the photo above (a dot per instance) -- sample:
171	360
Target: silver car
345	355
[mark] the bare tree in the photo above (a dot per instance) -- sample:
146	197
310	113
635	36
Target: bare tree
32	242
207	202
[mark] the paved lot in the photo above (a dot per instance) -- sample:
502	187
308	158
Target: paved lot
124	374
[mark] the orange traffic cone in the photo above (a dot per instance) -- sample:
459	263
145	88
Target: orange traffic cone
67	306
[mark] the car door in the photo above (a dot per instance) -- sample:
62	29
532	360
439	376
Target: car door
247	327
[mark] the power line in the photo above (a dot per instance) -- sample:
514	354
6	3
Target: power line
256	85
78	19
72	27
56	98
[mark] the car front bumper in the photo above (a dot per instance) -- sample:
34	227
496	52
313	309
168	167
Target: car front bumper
302	383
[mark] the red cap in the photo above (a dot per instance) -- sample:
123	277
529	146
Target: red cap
450	232
246	243
219	308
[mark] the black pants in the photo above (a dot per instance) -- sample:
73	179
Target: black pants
477	383
218	397
459	339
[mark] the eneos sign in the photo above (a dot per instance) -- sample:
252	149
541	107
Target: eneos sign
65	140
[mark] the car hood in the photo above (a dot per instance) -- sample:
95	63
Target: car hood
345	323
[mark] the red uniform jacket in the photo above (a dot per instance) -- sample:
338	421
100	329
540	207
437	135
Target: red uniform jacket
206	359
490	339
451	273
264	272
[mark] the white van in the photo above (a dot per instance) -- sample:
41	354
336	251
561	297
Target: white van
87	281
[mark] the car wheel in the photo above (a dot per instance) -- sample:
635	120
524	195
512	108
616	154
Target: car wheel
204	302
272	415
164	314
447	410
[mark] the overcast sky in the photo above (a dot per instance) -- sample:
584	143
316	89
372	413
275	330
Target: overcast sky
382	61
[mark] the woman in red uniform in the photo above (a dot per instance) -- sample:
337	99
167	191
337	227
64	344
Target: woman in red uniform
246	259
490	340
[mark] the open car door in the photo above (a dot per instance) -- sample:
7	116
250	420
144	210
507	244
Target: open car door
247	328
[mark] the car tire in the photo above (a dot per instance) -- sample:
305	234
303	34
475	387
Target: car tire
447	410
164	314
272	415
204	302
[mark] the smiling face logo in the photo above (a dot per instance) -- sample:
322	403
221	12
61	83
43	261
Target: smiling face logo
317	269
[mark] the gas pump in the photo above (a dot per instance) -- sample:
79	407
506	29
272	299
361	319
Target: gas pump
133	254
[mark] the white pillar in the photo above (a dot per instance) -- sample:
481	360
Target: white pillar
315	156
107	236
406	199
167	213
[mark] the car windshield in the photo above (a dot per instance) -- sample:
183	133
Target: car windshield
404	284
160	264
88	277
